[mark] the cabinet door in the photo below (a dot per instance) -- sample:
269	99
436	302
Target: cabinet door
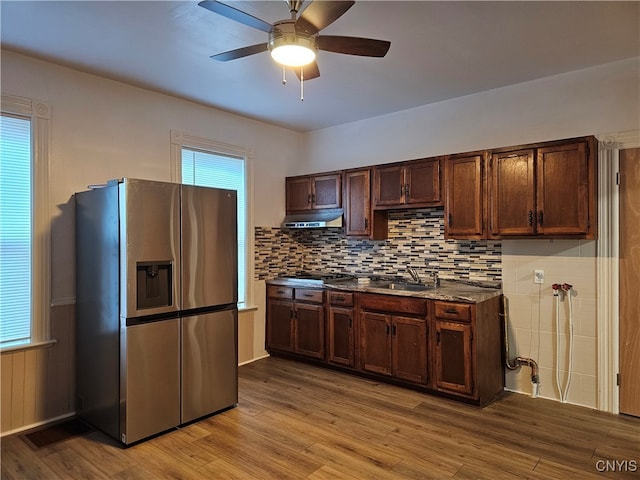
376	342
357	207
341	347
563	190
279	325
389	186
513	210
309	330
409	347
423	182
464	205
326	191
454	361
298	194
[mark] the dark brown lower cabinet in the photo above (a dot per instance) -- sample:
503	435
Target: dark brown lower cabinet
392	342
280	325
467	349
375	344
430	345
309	330
409	349
454	364
341	328
341	340
295	321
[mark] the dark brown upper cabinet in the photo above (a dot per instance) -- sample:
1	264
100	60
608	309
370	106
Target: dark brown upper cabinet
360	219
513	200
548	190
411	184
465	199
313	192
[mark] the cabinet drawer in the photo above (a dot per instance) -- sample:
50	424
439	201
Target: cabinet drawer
275	291
453	311
309	295
394	304
341	298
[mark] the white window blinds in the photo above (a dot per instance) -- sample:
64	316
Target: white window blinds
221	171
15	230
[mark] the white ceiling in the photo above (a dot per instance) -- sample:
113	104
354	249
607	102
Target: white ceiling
439	50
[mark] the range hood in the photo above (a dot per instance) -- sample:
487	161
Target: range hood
322	219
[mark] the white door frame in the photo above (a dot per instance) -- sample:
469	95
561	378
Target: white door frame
608	256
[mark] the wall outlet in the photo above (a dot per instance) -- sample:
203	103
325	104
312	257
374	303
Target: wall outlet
538	276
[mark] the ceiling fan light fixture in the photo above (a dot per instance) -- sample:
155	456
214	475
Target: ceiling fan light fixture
291	48
293	55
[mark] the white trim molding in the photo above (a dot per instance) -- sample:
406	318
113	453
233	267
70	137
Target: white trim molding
39	113
608	242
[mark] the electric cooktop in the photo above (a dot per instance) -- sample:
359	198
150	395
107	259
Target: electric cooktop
317	277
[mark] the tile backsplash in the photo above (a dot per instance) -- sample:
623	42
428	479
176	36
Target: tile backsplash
416	238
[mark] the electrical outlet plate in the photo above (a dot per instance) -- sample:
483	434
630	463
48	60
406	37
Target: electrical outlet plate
538	276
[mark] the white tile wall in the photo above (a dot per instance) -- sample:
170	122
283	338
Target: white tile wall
532	315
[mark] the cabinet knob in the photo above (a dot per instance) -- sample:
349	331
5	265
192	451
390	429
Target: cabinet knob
530	217
437	338
451	310
540	217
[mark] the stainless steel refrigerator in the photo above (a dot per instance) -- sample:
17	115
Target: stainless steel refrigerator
156	305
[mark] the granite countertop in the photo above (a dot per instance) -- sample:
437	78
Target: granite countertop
449	290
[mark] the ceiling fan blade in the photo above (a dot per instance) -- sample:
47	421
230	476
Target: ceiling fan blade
240	52
235	14
311	71
321	14
366	47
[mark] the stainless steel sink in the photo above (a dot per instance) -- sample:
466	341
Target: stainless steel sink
406	286
412	287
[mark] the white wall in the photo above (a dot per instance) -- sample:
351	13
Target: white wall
102	129
533	312
587	102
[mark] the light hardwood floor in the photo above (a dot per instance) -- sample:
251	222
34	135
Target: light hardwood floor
296	421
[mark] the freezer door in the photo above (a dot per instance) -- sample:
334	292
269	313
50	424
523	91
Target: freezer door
209	247
149	379
150	247
209	363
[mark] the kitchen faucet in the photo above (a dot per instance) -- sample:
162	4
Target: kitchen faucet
414	274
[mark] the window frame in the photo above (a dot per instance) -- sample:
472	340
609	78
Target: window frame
39	113
180	140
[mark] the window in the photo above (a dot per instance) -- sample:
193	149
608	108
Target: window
24	231
210	164
15	228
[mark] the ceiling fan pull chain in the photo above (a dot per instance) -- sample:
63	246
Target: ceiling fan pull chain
302	84
284	75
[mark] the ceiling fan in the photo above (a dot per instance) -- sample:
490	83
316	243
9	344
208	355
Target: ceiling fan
294	42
